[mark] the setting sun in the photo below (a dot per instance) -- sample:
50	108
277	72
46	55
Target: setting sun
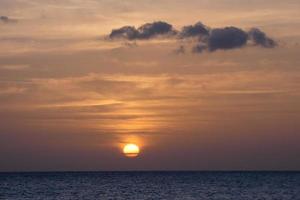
131	150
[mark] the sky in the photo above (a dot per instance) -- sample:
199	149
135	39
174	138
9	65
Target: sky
75	87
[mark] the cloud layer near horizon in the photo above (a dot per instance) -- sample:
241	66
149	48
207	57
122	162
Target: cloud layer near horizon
204	38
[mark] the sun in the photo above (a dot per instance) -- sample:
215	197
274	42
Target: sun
131	150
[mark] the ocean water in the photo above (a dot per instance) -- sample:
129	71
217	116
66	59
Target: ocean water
151	185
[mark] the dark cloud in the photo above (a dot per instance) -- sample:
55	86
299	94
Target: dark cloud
126	32
231	38
150	30
260	38
146	31
207	39
197	30
227	38
5	19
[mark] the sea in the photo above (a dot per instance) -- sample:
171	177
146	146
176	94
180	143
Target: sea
150	185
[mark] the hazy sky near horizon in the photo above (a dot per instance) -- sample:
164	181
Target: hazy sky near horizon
70	98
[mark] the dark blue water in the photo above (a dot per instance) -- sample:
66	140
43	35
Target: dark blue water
151	185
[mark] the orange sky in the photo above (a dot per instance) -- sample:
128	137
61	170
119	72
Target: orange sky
70	98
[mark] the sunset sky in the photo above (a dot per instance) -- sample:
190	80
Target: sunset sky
72	95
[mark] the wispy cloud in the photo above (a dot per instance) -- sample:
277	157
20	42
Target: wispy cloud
15	67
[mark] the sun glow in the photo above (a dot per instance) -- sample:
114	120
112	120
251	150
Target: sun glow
131	150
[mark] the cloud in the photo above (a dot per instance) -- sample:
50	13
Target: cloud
126	32
5	19
198	29
150	30
227	38
146	31
260	38
203	37
231	38
15	67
